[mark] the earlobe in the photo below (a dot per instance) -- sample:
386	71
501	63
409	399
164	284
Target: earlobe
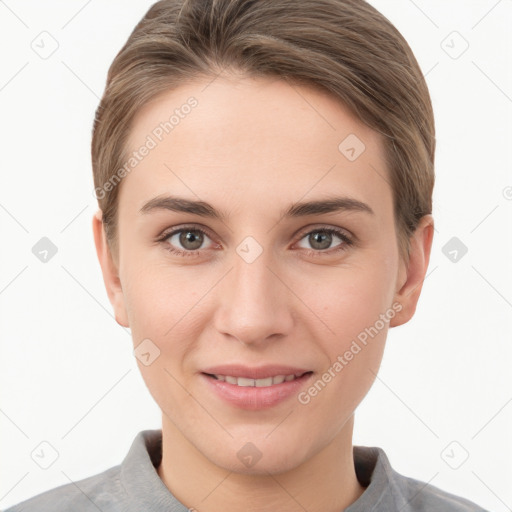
109	270
414	270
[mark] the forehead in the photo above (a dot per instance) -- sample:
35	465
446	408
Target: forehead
264	139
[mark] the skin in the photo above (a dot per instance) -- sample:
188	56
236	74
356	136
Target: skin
251	148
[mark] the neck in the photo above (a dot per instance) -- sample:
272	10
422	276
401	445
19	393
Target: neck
326	482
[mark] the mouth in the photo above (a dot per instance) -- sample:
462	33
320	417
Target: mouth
255	388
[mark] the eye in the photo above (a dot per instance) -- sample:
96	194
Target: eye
321	239
185	241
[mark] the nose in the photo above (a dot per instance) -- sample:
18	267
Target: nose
254	303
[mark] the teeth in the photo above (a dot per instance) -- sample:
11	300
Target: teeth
242	381
259	383
263	383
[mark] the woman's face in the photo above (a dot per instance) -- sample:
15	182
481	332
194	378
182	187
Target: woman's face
231	276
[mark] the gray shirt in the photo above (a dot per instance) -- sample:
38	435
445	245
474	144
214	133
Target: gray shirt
134	486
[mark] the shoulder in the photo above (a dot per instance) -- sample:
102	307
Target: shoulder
133	485
103	491
393	491
423	497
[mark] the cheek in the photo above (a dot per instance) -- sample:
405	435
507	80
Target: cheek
159	297
351	300
170	307
164	309
357	310
356	305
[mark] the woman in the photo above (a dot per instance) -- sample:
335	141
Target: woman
264	172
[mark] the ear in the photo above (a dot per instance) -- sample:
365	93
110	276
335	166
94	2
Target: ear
412	273
109	270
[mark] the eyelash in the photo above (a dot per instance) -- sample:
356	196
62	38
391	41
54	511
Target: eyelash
347	242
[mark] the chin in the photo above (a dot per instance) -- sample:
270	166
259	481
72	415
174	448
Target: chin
260	457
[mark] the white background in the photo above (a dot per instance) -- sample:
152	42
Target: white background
68	375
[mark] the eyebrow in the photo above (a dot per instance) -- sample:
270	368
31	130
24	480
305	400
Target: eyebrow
301	209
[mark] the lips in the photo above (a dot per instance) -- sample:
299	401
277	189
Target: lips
255	387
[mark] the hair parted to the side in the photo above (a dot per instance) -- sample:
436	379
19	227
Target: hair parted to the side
345	47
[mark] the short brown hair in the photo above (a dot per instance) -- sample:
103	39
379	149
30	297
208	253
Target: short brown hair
345	47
